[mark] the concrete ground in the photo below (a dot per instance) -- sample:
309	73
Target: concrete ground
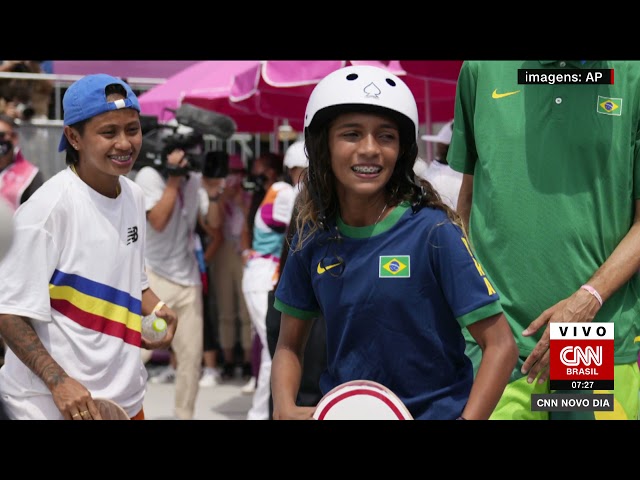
224	401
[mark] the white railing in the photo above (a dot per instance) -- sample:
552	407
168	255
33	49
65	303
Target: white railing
63	81
39	138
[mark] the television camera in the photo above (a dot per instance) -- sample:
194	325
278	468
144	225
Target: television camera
187	133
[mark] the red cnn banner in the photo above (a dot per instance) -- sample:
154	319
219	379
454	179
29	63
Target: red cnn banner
581	356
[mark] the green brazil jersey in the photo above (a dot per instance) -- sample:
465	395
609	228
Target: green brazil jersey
556	176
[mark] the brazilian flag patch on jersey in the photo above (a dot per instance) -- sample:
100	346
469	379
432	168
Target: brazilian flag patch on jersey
395	266
609	106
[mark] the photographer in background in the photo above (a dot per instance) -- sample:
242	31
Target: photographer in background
224	256
174	205
263	238
25	99
19	178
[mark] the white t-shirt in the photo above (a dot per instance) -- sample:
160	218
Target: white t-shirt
443	178
170	253
76	269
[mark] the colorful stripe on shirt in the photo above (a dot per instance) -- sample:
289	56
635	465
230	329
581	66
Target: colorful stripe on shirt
266	210
96	306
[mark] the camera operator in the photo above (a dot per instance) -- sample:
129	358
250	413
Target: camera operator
19	178
22	99
174	206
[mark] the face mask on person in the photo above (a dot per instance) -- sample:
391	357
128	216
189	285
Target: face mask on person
5	147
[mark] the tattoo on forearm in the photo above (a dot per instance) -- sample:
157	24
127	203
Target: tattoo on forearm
22	339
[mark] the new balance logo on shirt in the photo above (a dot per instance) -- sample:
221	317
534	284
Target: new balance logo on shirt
132	235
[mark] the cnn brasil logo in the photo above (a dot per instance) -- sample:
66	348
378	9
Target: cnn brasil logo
581	356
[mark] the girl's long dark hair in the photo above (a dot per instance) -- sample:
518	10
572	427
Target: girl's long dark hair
317	203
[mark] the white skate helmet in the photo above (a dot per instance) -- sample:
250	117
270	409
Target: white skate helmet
362	88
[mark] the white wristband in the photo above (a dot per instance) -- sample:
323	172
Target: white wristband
158	306
593	292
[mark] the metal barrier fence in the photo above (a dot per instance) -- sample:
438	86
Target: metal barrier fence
61	82
39	144
39	140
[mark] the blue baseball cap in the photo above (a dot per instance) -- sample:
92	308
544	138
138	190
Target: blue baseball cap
86	98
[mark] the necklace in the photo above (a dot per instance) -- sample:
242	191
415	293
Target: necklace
379	216
73	168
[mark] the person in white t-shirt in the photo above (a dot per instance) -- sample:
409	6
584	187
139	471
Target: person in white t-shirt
263	238
75	285
438	173
174	205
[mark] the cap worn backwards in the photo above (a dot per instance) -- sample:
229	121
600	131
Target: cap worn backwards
86	98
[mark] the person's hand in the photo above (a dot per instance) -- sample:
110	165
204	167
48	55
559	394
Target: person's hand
213	186
247	255
295	413
177	158
579	307
11	109
74	401
177	163
172	324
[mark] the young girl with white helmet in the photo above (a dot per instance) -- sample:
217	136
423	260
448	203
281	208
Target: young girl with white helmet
385	261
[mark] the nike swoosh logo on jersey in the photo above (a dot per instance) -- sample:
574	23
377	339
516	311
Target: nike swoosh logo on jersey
328	267
495	94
